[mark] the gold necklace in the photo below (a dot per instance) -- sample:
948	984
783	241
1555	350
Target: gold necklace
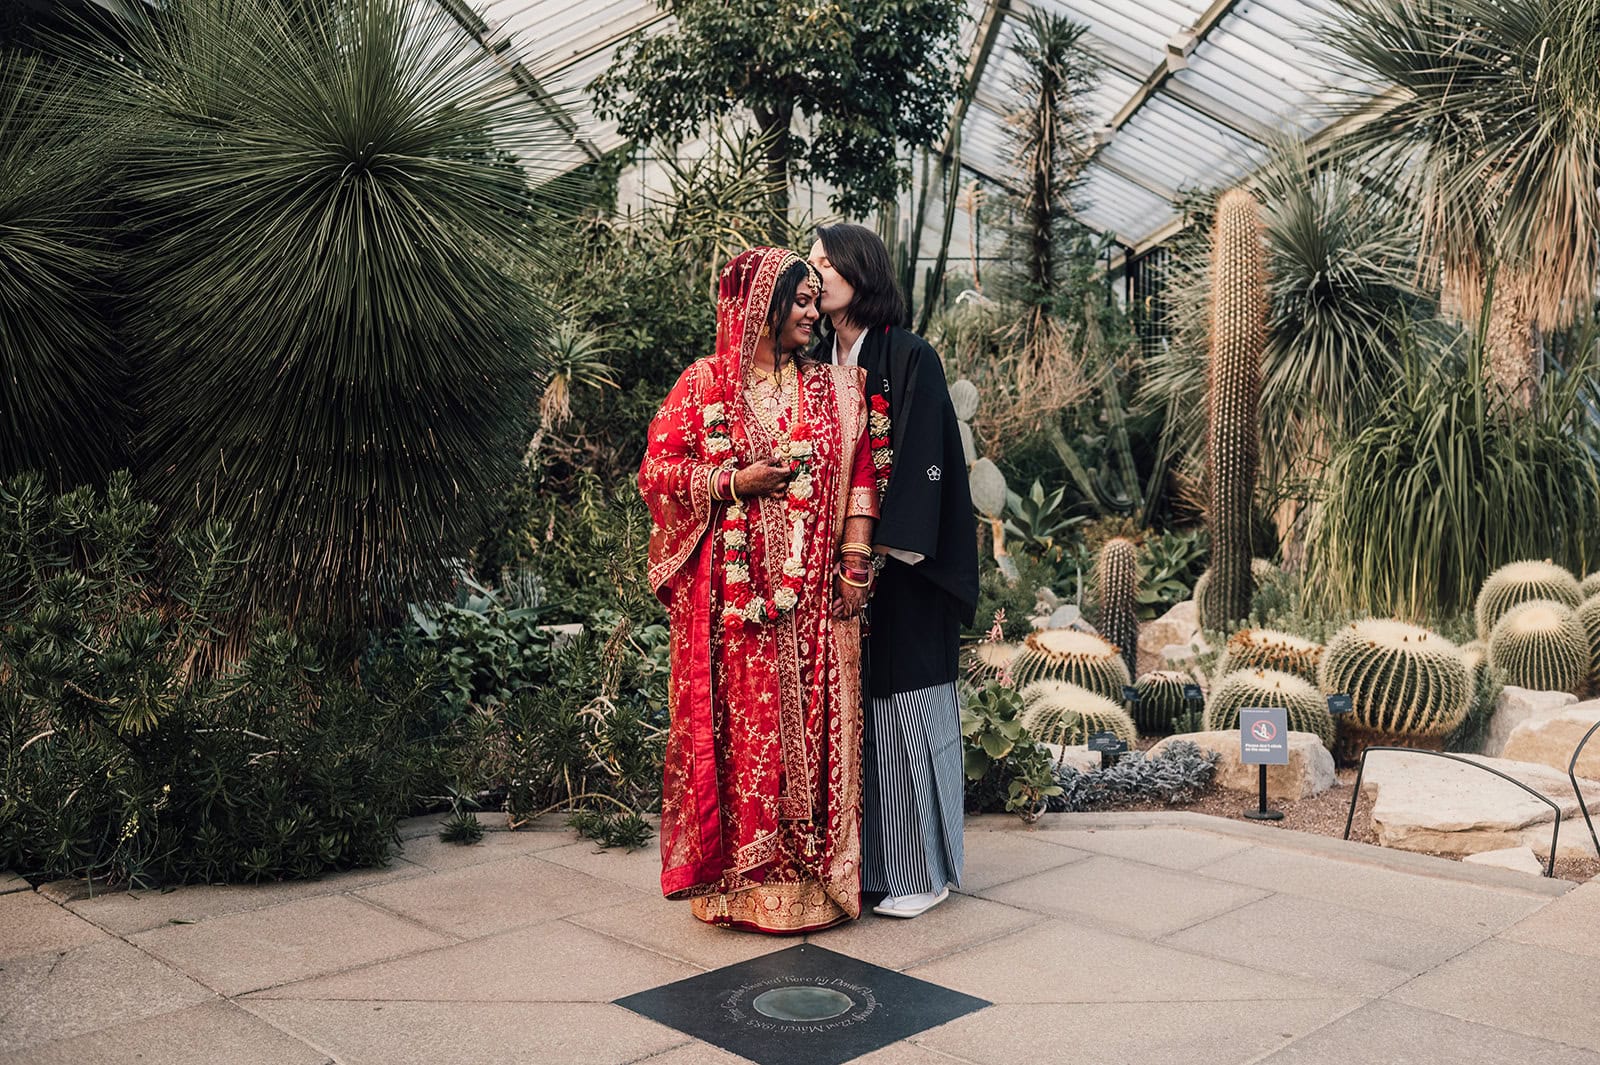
768	409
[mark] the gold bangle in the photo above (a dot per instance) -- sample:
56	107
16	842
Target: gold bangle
855	584
865	549
733	486
711	485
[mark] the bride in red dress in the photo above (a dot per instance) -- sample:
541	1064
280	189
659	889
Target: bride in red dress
762	493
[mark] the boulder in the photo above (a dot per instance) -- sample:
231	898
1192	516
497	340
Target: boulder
1426	803
1179	625
1514	706
1550	738
1309	772
1521	859
1077	756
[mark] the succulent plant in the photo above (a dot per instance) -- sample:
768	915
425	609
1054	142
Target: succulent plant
1541	645
1407	685
1080	658
1062	713
1308	709
1238	334
988	487
1523	582
1117	577
1588	614
964	398
1271	649
1590	585
1260	570
1161	700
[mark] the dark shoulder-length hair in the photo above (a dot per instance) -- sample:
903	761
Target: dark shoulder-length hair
784	293
862	260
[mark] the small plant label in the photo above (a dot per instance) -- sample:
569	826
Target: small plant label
1107	743
1193	694
1339	704
1130	694
1264	735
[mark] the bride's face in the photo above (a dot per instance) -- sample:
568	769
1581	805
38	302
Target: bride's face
836	291
801	322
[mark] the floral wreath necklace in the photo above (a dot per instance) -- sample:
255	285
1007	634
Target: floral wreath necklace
784	422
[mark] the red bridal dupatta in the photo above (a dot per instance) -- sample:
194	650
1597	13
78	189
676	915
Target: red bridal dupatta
761	800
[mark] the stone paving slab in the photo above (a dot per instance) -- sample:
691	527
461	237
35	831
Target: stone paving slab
639	869
1137	899
957	924
1133	1033
30	924
48	997
243	952
11	882
1400	1035
217	1033
1170	848
1361	952
480	1033
1571	923
994	858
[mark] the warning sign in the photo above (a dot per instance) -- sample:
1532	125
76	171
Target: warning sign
1264	735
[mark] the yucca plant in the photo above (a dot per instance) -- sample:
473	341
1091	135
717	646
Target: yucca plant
330	292
61	407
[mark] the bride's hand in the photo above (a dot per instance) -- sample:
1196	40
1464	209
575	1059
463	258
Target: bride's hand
847	599
764	478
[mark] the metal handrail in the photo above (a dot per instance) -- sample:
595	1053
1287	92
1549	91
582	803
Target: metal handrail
1572	775
1355	795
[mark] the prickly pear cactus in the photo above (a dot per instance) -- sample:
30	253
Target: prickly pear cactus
1238	333
1057	712
1407	686
1117	577
1523	582
1540	645
1307	707
1271	649
1161	700
988	486
1077	657
964	398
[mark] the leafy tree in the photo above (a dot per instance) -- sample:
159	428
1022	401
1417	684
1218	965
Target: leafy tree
865	77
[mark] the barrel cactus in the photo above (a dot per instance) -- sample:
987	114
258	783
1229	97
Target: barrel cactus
1058	712
1306	706
1590	585
1407	685
1271	649
1588	614
1261	570
990	660
988	487
1523	582
1078	657
1540	645
1117	577
1161	701
1238	334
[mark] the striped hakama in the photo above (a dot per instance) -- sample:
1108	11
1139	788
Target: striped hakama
912	816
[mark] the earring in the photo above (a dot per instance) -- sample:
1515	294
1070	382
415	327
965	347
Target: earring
764	331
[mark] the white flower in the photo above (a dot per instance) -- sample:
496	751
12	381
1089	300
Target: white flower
785	598
738	573
734	537
793	568
800	448
712	414
756	610
718	445
800	487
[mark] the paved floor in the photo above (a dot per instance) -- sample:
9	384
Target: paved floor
1140	938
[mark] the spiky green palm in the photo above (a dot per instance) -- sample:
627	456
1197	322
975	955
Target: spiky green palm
332	308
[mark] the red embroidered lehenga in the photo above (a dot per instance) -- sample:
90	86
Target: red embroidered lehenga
761	804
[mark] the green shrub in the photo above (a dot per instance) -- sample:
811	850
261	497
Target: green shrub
1180	774
1005	767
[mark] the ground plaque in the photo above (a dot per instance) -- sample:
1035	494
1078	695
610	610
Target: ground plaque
802	1006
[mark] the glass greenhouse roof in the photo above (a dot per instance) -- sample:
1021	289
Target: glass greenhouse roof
1192	93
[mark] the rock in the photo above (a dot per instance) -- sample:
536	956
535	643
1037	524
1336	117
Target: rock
1179	625
1426	803
1309	772
1549	738
562	635
1077	756
1522	859
1516	705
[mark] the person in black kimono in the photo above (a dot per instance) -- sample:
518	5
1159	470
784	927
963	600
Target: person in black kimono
926	588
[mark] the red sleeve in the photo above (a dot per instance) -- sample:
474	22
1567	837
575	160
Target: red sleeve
673	477
863	478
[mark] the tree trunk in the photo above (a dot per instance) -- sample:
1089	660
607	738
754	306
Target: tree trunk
1512	347
774	127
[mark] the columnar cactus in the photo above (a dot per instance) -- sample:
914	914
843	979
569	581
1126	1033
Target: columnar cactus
1523	582
1270	649
1540	645
1407	685
1078	657
1117	576
1161	700
1308	709
1057	712
1588	614
1238	333
1590	585
1261	570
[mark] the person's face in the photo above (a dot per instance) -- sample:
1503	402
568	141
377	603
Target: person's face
836	291
801	322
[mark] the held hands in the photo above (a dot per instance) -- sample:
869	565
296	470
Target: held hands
847	599
766	477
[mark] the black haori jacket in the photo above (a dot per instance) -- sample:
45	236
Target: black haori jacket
927	507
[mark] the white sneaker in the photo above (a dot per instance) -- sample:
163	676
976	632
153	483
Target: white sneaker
910	905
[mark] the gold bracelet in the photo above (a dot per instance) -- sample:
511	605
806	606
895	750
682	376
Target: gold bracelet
865	549
733	486
855	584
711	484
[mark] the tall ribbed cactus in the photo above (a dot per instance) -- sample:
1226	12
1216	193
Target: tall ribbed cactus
1407	685
1238	333
1261	571
1523	582
1055	711
1117	576
1540	645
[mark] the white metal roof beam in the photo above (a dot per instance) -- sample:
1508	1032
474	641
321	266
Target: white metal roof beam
1128	174
994	17
557	69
